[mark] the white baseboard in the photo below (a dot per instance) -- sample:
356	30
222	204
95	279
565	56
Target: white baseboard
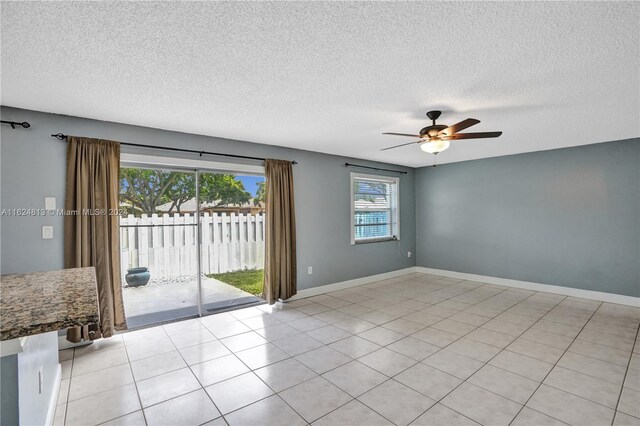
53	403
567	291
548	288
63	343
314	291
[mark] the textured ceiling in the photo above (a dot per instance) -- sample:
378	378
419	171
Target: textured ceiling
331	76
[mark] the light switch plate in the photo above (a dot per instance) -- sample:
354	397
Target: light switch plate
47	232
49	203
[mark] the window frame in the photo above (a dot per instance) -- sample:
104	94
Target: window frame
395	208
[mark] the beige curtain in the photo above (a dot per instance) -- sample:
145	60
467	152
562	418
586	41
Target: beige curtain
91	237
280	241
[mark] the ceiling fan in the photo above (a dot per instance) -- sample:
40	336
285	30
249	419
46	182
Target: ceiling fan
435	138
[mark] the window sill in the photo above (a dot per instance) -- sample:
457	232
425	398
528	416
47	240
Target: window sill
374	240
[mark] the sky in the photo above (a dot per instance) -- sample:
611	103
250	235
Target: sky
249	183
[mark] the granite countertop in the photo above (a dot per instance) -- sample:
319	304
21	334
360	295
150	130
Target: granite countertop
40	302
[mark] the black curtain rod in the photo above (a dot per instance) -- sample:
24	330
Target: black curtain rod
375	168
61	137
13	124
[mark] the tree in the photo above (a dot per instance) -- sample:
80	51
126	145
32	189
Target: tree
222	190
260	193
369	190
144	189
181	190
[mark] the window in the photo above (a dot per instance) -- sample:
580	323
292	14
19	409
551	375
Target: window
374	208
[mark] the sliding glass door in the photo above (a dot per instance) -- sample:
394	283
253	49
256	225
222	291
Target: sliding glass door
232	239
192	242
159	245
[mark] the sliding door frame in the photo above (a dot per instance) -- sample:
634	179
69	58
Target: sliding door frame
141	161
199	244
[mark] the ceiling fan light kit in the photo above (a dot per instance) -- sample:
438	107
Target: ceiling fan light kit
434	147
436	138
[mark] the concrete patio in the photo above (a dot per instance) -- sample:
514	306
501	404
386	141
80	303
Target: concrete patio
157	303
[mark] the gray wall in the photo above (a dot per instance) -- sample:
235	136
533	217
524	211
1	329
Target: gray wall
567	217
33	166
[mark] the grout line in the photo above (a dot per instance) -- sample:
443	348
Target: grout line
554	366
488	361
625	376
418	362
190	370
252	371
201	386
405	291
121	386
135	382
460	311
356	359
586	373
66	402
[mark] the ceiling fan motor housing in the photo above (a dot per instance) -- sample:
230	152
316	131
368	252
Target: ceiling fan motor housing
432	131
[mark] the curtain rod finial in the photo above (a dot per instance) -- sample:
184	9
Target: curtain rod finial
58	136
13	124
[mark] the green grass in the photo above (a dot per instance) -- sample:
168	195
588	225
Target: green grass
249	280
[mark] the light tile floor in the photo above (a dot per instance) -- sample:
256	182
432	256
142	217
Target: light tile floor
418	349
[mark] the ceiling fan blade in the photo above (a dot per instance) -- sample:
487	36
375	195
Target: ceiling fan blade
398	146
475	135
459	126
402	134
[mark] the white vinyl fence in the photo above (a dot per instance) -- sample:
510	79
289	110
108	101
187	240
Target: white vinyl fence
229	243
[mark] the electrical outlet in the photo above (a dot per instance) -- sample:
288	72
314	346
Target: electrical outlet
409	254
310	270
